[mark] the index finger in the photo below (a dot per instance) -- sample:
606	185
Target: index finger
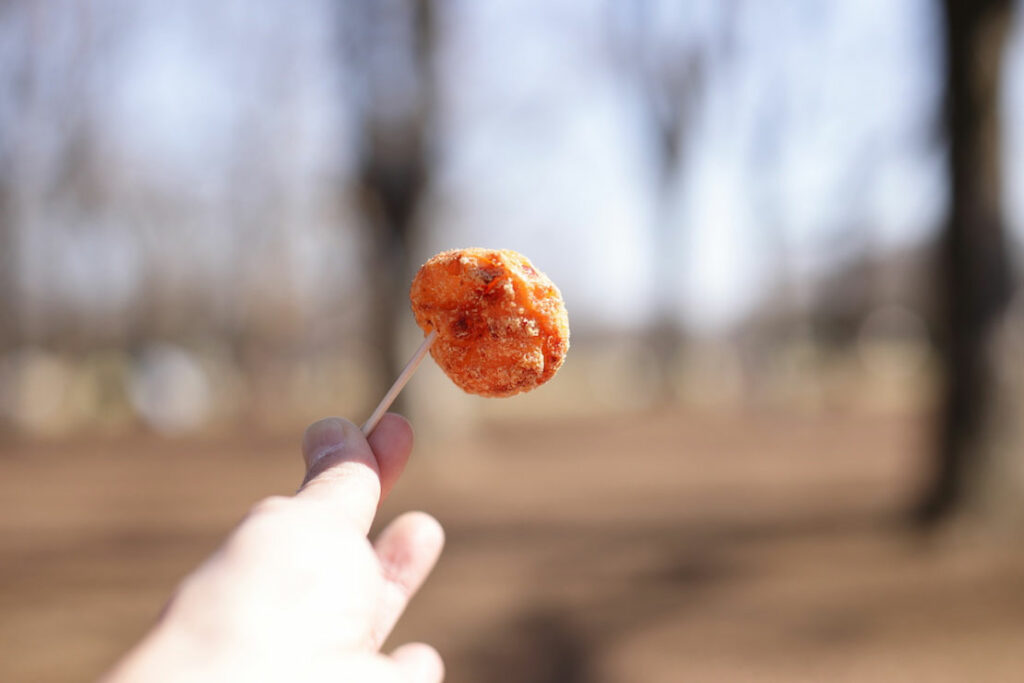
346	473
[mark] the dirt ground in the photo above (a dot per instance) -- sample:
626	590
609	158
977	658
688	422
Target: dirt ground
671	547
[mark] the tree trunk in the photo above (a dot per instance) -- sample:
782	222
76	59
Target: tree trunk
975	280
394	162
10	298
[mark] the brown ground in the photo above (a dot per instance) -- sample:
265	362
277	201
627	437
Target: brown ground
662	548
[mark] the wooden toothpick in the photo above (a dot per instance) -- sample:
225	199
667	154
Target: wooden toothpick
396	388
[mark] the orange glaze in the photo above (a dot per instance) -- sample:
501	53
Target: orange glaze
502	327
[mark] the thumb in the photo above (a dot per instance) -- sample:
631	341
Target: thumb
341	472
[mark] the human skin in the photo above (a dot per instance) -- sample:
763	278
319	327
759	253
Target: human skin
297	592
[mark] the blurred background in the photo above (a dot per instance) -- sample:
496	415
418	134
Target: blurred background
786	443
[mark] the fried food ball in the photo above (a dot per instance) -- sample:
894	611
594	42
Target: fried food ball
502	327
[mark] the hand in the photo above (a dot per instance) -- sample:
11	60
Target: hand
297	593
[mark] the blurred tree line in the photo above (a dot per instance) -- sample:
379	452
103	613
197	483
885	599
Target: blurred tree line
62	180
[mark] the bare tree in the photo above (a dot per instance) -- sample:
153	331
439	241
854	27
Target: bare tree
975	278
670	79
17	71
24	24
670	104
391	48
9	299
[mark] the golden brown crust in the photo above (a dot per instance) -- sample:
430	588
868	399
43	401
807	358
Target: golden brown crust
502	327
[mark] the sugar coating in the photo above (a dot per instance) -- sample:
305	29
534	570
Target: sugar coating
502	327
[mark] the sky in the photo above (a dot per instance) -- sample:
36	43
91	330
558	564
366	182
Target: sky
814	137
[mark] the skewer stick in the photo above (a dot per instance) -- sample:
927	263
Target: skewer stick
396	388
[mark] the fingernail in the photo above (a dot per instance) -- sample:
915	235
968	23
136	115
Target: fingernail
325	437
